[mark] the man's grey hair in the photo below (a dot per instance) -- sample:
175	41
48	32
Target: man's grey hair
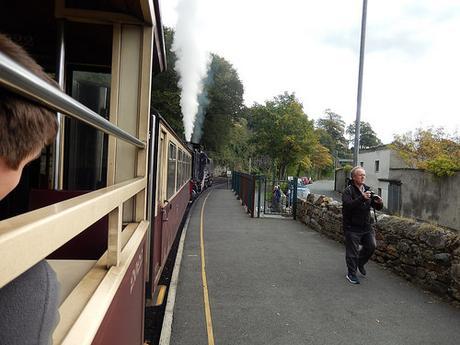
353	171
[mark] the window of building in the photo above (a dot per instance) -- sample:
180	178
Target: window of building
377	166
171	184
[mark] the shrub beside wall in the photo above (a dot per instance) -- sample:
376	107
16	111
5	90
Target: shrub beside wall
422	253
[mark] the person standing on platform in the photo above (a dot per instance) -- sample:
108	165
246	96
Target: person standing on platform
357	200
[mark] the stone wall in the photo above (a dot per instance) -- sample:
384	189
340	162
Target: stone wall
425	254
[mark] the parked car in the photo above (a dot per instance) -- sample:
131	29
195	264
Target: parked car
302	189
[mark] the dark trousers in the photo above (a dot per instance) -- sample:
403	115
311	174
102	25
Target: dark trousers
353	255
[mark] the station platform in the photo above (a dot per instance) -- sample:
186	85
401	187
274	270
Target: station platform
274	281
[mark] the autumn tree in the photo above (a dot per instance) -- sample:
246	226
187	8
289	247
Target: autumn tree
431	149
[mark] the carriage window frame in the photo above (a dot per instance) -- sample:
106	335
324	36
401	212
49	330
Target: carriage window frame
180	155
171	170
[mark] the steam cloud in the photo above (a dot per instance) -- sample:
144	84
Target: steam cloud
193	59
203	102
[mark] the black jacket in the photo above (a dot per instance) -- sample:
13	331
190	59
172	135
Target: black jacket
356	209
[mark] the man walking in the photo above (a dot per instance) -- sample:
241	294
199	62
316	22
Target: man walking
357	200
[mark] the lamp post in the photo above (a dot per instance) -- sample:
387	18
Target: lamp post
360	84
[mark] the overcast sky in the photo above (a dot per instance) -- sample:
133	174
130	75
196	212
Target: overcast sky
311	47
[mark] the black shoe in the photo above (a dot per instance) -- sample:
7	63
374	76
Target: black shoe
362	270
352	278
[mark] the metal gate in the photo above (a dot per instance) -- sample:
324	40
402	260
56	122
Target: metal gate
277	197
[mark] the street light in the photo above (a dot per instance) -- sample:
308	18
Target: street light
360	84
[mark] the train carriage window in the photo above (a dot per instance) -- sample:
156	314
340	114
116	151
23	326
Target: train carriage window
187	170
183	170
171	185
85	147
187	174
179	169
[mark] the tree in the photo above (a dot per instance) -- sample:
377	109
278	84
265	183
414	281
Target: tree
237	152
283	132
223	92
321	159
331	130
431	149
165	89
367	137
225	95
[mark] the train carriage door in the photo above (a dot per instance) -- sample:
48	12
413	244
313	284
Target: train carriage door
160	197
162	169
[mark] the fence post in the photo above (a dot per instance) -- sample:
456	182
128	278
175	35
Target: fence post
265	192
253	196
258	195
294	198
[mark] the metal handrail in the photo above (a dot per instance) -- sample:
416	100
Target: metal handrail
19	79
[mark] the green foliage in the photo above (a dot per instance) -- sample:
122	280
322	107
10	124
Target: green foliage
236	153
276	136
431	149
347	168
165	90
225	95
331	130
283	132
367	137
442	165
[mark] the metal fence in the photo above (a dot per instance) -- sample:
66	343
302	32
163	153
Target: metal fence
278	196
244	186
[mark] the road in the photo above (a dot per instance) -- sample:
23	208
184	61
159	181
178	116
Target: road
325	187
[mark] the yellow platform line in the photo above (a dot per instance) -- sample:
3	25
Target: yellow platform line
207	308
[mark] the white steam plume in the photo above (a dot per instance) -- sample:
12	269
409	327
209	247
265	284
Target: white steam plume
192	58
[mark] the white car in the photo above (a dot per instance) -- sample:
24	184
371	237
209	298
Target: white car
302	190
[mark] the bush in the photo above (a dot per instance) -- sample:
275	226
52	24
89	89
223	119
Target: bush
347	168
442	166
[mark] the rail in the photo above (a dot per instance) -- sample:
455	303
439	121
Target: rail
19	79
244	185
25	233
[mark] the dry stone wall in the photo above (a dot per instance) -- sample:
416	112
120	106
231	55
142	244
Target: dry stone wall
422	253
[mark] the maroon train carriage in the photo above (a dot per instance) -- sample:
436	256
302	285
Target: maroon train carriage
172	194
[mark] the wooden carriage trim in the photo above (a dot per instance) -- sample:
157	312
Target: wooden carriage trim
72	306
86	326
90	16
38	233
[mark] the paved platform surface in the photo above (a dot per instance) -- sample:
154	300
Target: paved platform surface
274	281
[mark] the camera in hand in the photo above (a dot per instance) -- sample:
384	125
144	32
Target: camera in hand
374	196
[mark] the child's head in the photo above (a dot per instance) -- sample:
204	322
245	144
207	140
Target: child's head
25	126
